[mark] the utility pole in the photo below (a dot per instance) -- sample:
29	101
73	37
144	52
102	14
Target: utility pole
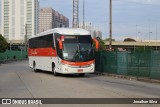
25	38
90	27
156	37
110	28
136	32
150	37
105	27
75	23
83	15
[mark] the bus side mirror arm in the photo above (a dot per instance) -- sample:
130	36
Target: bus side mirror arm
97	43
60	43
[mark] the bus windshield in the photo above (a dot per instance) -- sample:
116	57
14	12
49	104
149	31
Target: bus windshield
78	48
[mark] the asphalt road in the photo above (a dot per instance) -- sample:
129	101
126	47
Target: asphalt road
17	80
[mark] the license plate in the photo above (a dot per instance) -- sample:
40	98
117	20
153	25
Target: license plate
80	70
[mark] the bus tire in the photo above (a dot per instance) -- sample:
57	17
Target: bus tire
34	67
54	70
82	75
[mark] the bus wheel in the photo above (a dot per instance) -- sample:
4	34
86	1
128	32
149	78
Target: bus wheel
54	70
34	67
82	75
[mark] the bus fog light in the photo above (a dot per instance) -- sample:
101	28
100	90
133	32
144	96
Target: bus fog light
66	69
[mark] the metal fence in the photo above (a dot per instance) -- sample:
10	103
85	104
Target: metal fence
12	55
139	64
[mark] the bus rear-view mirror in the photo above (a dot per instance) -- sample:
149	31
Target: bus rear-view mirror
96	43
60	43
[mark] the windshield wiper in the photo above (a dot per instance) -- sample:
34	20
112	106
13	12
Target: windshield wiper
76	53
68	59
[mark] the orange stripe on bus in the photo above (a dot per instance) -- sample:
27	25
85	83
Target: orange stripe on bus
42	52
78	63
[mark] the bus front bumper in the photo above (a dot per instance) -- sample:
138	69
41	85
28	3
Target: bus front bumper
67	69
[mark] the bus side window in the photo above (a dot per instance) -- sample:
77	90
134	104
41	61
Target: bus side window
45	41
50	40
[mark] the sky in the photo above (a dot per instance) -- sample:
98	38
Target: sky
0	15
131	18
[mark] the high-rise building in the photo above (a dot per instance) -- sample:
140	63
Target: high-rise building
60	20
50	18
19	17
46	19
93	30
0	17
97	33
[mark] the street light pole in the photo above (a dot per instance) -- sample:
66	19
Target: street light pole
139	34
25	38
149	36
156	37
136	31
110	23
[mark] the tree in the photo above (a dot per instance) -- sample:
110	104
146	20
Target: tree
107	39
3	44
129	40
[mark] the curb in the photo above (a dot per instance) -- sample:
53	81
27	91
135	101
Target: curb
144	79
12	60
148	80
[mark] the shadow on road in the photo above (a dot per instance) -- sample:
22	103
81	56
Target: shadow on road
68	75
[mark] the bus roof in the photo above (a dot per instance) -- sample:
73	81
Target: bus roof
64	31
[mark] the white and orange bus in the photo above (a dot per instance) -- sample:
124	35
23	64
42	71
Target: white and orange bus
62	50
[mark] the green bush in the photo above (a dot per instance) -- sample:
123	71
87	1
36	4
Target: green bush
3	44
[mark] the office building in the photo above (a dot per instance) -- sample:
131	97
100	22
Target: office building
46	19
97	33
49	19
